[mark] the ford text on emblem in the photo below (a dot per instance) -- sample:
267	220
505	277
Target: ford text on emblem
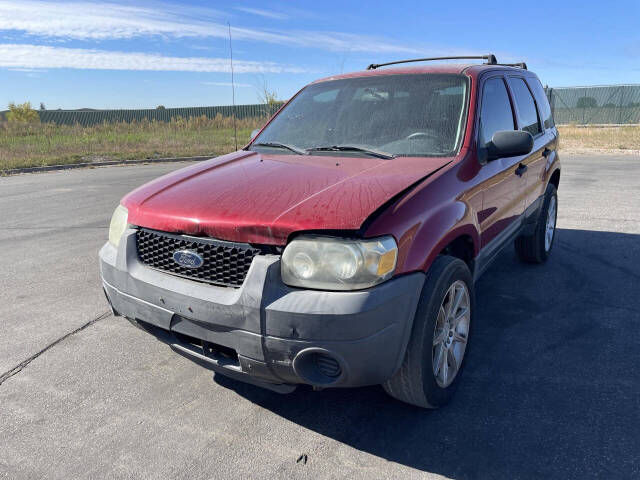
187	258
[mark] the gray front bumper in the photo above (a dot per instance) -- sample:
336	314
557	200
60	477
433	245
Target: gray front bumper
270	326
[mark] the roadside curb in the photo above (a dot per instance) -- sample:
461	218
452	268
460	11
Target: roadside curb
70	166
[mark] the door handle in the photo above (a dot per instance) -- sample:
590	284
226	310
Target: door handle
521	169
546	152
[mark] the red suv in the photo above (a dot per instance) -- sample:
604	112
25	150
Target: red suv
340	247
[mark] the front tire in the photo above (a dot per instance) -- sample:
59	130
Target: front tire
434	360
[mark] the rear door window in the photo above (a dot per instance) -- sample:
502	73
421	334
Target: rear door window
527	113
496	113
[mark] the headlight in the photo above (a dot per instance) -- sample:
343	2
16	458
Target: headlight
118	225
330	263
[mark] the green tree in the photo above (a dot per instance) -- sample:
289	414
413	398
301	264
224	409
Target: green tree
22	113
587	102
160	107
268	97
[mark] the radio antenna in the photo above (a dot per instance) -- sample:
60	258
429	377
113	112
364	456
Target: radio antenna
233	91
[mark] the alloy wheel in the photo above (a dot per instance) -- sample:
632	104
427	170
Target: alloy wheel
451	333
550	227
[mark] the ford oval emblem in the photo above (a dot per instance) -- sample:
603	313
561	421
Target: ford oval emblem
188	258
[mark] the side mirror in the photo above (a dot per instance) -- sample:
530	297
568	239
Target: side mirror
507	143
254	133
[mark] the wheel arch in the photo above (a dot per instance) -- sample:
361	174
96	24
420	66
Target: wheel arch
554	179
462	247
438	236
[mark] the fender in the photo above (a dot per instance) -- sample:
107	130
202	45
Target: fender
427	219
451	221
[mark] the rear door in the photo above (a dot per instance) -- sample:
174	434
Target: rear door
504	189
529	121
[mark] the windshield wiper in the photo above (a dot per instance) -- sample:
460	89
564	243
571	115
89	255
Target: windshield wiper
352	148
291	148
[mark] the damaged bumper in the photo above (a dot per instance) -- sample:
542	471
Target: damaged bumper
265	332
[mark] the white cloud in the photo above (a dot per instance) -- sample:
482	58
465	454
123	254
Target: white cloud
26	70
92	20
37	56
227	84
100	21
263	13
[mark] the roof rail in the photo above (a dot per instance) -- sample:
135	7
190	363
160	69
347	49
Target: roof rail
490	60
517	65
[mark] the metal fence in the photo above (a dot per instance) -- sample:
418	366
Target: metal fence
94	117
605	105
610	105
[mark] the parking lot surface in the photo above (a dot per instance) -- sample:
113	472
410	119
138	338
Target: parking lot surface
551	388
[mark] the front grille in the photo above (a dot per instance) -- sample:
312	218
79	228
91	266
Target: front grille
225	263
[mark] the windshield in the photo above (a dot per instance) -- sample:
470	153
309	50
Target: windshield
408	115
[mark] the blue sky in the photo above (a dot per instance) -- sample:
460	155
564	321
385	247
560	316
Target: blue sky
139	54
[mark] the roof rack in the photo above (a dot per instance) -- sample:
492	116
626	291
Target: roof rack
490	60
517	65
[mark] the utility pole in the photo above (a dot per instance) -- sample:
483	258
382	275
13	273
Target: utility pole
233	91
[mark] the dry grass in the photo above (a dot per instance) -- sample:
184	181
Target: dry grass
615	139
28	145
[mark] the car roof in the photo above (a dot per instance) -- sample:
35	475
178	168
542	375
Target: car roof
472	69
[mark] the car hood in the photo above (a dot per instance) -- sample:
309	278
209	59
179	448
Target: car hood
257	198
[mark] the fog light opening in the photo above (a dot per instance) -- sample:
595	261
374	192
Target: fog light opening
318	367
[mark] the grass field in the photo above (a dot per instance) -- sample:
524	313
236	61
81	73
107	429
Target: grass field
23	145
48	144
583	139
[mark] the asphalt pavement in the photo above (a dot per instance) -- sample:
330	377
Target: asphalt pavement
551	387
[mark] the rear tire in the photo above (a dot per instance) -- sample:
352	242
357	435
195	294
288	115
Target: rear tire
417	381
536	248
